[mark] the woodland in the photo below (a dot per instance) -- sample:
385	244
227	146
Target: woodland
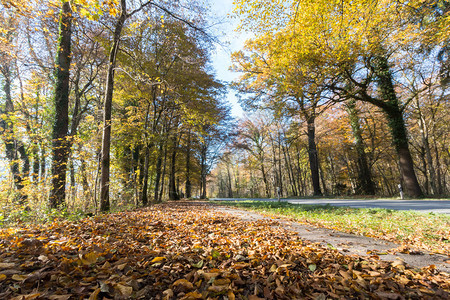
112	116
116	104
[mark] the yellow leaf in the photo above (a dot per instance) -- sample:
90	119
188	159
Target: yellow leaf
2	277
89	258
84	12
158	259
94	295
231	295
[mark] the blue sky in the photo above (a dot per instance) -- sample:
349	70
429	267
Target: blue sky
232	41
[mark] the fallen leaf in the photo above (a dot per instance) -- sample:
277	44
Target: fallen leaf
183	284
59	297
192	296
253	297
18	277
89	258
6	265
124	290
27	297
94	295
158	259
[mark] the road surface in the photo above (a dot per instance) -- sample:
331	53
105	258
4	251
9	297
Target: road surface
426	206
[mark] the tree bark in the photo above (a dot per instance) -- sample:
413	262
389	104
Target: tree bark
84	182
173	195
13	145
366	185
230	187
188	167
144	193
36	161
158	173
42	168
163	175
203	172
61	100
106	138
397	126
427	149
290	171
312	154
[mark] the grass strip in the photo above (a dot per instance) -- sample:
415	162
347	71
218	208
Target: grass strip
426	231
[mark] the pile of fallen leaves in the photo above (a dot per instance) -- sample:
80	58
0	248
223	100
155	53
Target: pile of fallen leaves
187	251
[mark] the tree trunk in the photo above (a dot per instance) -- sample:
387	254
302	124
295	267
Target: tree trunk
106	139
8	133
230	189
163	176
43	165
203	172
312	154
173	195
85	183
72	180
188	167
366	185
158	172
397	127
290	171
61	124
280	174
36	161
266	183
144	193
322	178
427	149
13	145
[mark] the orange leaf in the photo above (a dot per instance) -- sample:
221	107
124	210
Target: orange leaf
158	259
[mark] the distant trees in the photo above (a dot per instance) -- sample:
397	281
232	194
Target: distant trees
348	51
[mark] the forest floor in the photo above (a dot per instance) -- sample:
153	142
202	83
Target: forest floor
384	249
195	250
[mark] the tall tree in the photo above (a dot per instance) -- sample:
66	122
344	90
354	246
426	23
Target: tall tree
13	144
61	102
106	138
366	185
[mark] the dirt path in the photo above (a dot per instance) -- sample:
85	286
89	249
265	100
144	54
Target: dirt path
349	243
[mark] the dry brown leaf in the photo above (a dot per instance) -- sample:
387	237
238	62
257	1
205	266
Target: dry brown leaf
126	291
184	284
7	265
18	277
59	297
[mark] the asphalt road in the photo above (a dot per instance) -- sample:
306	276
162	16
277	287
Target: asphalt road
426	206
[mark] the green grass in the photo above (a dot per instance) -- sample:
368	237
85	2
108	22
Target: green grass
426	231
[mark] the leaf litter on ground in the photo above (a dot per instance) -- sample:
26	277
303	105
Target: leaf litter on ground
413	230
186	250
